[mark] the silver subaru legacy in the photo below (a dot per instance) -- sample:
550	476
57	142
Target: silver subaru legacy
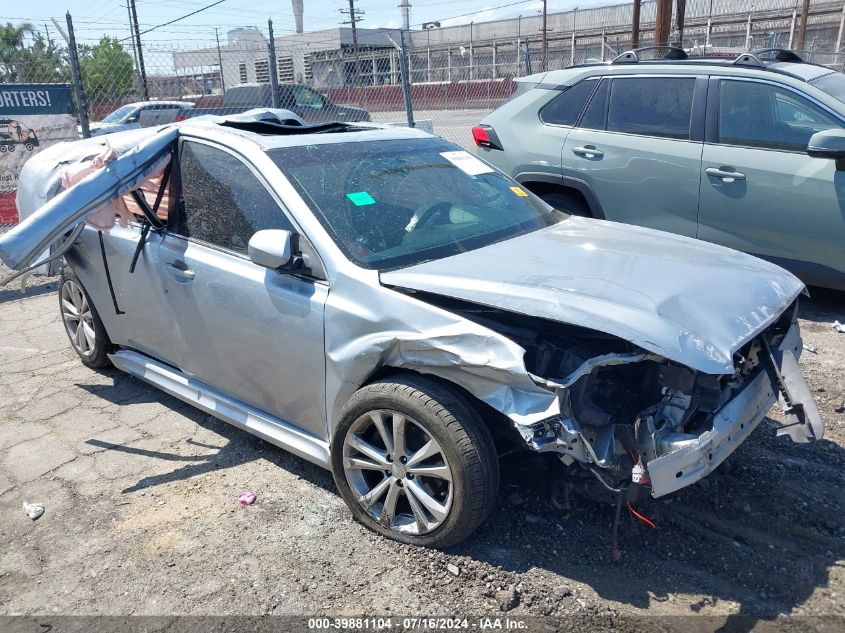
384	304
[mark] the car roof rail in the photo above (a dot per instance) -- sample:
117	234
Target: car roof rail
780	55
633	56
755	58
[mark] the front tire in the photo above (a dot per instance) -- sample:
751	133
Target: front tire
83	325
414	462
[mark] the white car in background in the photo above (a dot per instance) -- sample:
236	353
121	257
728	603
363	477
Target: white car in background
140	114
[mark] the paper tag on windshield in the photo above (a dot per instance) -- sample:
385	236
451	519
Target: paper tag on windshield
467	163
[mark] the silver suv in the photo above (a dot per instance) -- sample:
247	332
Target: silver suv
746	153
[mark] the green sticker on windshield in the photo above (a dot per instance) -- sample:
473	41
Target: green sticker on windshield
360	198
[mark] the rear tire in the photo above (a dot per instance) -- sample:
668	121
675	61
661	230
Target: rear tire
566	202
83	326
434	502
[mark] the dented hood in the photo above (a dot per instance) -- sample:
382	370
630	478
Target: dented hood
687	300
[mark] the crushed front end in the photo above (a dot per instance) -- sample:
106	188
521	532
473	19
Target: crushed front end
632	418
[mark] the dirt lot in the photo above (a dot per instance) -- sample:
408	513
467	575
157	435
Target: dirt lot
142	516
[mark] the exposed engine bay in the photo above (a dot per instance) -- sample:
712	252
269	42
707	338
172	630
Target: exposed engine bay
625	411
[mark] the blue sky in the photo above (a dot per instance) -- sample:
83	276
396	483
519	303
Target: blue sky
94	18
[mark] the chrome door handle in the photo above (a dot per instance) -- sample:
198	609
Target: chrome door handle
727	176
588	150
182	273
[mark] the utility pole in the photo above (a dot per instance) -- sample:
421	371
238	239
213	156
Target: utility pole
132	40
802	25
141	68
61	31
271	65
635	25
354	15
748	33
405	8
545	44
220	60
81	106
680	19
663	22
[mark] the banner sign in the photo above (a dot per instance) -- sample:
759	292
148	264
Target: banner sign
32	117
35	99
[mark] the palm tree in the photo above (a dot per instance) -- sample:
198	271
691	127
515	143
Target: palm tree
27	56
12	43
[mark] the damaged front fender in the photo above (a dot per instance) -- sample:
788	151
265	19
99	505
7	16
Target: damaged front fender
370	328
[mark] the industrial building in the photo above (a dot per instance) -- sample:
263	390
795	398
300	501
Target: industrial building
499	49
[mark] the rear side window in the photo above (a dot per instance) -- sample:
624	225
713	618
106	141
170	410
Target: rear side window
566	107
651	106
594	117
222	201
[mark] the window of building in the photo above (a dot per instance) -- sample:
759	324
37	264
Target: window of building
307	71
285	69
223	203
651	106
242	72
262	71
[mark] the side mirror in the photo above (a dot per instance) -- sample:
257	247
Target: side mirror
271	248
132	119
827	144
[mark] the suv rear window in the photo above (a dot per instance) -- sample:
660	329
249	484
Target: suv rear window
651	106
566	107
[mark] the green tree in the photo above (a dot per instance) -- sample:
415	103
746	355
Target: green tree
27	56
107	70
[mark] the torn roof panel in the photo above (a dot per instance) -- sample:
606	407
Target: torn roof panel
61	213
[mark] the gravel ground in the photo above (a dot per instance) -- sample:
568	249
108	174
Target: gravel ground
142	514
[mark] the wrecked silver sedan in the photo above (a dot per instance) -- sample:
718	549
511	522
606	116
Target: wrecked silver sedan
388	306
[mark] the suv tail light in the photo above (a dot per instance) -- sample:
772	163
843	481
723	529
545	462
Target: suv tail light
485	136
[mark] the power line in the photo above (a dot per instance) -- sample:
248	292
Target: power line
187	15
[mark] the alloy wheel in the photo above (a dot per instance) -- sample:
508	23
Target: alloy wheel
78	318
398	472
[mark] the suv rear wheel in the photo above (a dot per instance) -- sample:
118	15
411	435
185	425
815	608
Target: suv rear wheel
566	202
414	462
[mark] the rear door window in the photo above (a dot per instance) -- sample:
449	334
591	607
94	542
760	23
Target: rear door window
567	106
651	106
222	201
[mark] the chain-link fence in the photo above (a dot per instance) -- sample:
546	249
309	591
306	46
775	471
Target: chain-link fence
453	75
